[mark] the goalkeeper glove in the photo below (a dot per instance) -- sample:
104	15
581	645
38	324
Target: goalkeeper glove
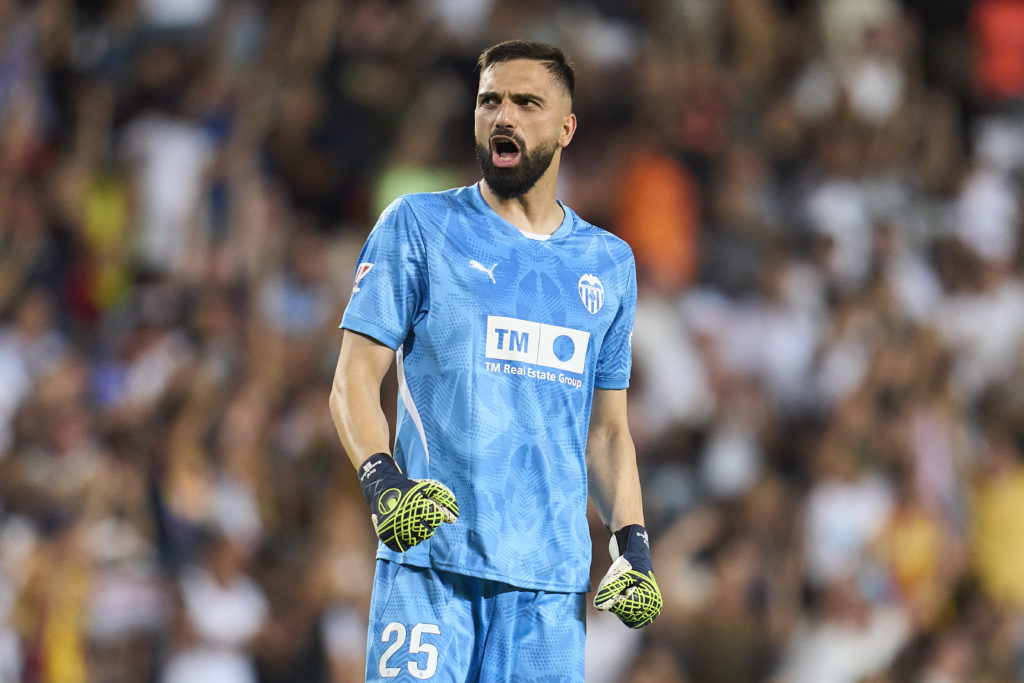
629	590
404	511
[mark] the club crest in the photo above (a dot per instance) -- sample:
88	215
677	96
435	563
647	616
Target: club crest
591	292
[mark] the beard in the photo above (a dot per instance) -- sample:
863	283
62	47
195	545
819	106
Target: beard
509	183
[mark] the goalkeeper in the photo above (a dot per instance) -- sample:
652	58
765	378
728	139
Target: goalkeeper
510	319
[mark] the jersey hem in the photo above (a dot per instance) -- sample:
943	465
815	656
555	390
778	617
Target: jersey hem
611	382
370	329
385	554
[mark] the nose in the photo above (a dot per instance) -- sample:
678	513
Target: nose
505	118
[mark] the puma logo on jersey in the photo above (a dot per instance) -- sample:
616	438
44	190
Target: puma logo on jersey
476	265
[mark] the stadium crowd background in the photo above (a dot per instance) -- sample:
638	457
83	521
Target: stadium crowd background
824	198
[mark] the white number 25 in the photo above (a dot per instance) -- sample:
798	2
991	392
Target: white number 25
416	646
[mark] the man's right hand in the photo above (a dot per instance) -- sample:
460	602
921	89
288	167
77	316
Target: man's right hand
404	511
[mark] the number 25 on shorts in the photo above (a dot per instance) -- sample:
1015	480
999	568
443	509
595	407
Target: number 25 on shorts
397	632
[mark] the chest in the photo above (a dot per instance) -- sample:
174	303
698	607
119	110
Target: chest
561	283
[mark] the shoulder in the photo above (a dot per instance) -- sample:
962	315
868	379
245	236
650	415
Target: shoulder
409	214
614	245
421	215
431	204
422	219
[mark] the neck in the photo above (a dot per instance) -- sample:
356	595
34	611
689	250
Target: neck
537	211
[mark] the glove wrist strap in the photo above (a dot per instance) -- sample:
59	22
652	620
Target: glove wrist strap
378	473
631	542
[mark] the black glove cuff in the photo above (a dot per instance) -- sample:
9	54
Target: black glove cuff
632	543
377	474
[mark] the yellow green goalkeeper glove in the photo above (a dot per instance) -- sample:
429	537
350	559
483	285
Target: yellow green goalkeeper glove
629	590
404	511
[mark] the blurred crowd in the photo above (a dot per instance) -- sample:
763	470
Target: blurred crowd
824	200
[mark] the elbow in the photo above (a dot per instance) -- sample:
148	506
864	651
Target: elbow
336	400
609	435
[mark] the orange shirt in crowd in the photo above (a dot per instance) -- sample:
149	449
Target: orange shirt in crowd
658	216
997	28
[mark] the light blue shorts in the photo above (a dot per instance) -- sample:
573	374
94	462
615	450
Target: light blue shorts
438	626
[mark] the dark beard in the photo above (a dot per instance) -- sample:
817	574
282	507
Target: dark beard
509	183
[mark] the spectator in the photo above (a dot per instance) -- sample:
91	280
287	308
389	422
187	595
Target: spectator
222	611
828	342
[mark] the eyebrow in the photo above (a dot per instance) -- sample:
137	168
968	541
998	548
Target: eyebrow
515	97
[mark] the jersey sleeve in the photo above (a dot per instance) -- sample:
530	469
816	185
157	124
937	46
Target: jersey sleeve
388	292
616	357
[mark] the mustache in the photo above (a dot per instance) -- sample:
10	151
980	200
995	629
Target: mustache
507	133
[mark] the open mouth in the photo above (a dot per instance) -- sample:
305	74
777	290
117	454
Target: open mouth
504	151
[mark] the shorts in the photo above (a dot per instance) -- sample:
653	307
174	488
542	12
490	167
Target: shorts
429	625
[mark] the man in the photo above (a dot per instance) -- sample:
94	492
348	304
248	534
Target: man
511	318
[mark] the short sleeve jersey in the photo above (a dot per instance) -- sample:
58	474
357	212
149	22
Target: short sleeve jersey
501	341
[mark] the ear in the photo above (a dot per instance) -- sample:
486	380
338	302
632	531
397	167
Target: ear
568	130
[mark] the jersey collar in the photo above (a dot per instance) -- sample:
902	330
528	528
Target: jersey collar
563	229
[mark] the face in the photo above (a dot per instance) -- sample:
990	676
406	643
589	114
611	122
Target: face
522	120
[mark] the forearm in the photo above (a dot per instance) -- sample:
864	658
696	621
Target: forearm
614	479
355	406
361	424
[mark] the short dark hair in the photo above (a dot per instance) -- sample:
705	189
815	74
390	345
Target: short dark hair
552	57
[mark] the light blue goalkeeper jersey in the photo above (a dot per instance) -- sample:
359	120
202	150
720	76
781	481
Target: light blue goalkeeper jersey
501	341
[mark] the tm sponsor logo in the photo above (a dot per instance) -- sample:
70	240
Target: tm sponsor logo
550	347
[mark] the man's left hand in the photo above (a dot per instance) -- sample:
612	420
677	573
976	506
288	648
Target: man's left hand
629	590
